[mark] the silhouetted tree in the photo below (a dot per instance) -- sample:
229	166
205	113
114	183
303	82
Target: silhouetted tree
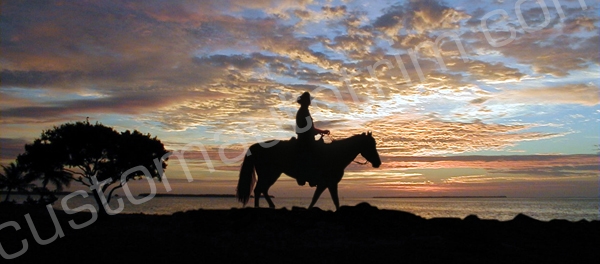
44	163
93	155
14	178
44	166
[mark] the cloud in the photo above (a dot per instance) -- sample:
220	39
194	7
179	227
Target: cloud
491	72
335	11
197	12
506	163
10	149
420	17
554	49
235	67
582	94
515	175
580	23
39	79
479	100
9	100
404	136
130	103
353	46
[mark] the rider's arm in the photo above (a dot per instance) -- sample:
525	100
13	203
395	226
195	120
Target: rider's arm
322	131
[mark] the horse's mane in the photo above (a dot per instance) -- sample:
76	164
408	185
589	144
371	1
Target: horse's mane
334	142
344	140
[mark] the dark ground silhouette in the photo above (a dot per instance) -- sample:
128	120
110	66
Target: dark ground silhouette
353	234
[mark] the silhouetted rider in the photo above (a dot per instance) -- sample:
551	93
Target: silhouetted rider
306	130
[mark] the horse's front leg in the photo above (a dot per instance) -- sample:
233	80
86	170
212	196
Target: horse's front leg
334	195
318	192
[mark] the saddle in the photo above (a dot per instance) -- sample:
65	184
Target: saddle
307	161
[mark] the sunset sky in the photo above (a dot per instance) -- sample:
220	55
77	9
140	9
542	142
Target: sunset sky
464	97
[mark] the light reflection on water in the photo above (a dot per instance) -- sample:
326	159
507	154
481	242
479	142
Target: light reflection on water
573	209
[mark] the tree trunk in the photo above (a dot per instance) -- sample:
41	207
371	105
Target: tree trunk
7	195
102	214
42	192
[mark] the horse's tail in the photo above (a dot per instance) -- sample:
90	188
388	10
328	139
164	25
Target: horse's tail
246	180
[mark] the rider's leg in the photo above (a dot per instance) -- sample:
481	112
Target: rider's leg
301	164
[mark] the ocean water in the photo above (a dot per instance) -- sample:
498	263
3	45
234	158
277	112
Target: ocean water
545	209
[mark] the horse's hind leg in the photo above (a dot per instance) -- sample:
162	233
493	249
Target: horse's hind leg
272	178
262	188
268	181
256	197
261	185
257	194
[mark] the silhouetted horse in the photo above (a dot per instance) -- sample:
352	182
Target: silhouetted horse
269	160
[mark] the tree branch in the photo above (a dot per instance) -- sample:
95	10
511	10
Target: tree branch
80	179
95	169
86	170
74	172
111	191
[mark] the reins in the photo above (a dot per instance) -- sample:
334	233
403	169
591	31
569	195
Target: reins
333	139
361	163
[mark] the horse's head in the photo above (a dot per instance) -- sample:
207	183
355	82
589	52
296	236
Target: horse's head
369	150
